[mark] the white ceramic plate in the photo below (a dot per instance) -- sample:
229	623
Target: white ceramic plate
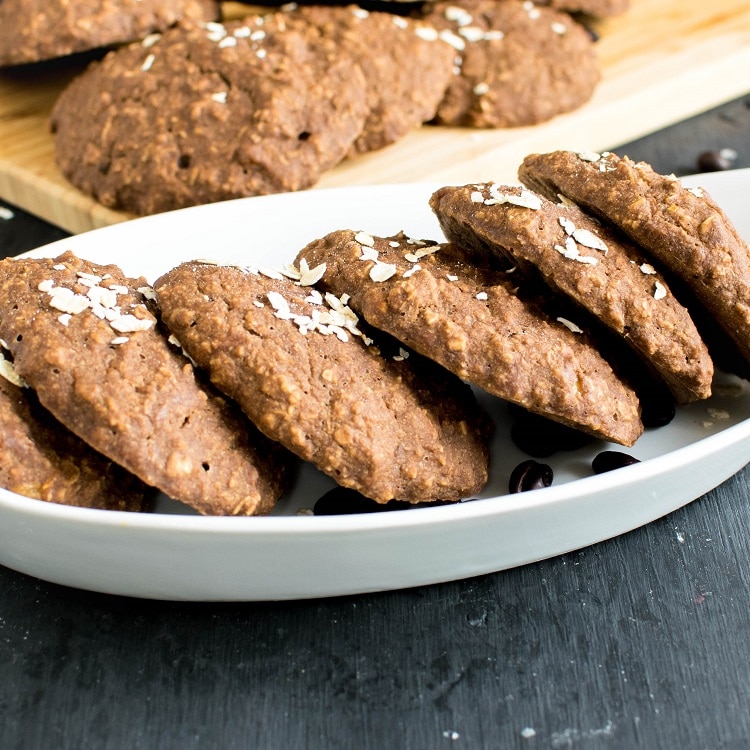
175	555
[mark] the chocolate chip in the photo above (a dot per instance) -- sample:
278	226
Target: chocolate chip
610	460
530	475
716	161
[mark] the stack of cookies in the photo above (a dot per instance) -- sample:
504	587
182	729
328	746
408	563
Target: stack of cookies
193	110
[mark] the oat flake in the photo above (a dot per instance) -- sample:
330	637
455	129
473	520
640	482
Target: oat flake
382	271
8	371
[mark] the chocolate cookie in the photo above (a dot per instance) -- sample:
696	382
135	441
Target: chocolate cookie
40	459
478	323
208	113
601	8
518	64
34	30
587	262
405	85
682	228
83	338
374	417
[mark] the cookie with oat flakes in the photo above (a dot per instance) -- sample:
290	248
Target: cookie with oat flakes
405	86
36	30
208	113
81	335
598	270
372	416
518	64
682	228
481	324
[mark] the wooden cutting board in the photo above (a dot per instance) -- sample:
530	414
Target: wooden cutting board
663	61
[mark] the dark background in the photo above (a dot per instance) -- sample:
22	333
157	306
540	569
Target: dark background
642	641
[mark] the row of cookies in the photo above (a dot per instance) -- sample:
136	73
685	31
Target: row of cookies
210	111
608	290
391	418
42	30
100	403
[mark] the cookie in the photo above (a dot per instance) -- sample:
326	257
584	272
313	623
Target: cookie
518	64
597	270
374	417
404	86
40	459
478	323
209	113
600	8
83	338
681	228
35	30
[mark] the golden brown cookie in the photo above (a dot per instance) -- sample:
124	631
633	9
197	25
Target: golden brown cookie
478	323
34	30
591	265
81	335
373	416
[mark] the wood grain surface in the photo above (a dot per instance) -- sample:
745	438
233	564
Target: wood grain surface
662	61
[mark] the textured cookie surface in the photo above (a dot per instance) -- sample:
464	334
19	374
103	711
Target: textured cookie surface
209	113
82	337
34	30
473	321
584	260
386	423
519	64
404	86
601	8
682	228
39	458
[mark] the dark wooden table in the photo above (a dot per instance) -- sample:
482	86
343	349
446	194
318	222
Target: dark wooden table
642	641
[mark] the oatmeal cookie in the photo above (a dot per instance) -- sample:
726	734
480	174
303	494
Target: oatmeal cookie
40	459
81	335
373	416
35	30
480	324
208	113
584	260
404	86
518	64
683	229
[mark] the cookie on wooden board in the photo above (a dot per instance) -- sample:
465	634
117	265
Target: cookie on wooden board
518	64
207	113
35	30
682	228
374	417
478	323
406	66
81	335
591	265
40	459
